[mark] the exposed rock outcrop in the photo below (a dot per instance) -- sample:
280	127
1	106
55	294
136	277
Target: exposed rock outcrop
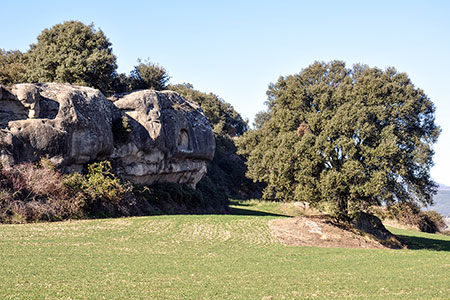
149	136
365	231
372	225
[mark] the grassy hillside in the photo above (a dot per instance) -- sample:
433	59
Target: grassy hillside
208	257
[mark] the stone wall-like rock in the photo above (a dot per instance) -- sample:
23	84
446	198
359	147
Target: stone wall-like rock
149	136
170	138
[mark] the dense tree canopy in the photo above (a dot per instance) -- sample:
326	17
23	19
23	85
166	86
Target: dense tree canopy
344	139
72	52
221	115
149	75
79	54
146	75
12	67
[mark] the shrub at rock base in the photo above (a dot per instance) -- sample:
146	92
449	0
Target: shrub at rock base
100	192
431	221
174	198
32	193
410	214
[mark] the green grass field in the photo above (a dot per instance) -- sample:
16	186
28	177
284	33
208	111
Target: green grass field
208	257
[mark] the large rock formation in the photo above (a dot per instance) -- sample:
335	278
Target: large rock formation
149	136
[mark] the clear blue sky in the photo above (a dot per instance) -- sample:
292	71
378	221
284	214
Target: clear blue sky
236	48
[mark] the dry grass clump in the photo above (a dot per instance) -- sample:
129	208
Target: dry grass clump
30	193
38	192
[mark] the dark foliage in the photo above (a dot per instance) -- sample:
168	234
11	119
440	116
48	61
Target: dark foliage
226	173
72	52
410	214
148	75
222	116
12	67
121	129
172	198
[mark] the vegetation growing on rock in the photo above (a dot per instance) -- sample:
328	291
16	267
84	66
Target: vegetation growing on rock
72	52
12	67
39	192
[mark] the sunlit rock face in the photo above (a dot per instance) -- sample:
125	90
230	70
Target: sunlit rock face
170	138
148	136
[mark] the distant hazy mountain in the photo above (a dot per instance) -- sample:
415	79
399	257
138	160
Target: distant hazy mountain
442	200
444	187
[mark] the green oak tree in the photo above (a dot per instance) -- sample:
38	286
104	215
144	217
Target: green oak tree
222	116
148	75
145	75
72	52
344	139
12	67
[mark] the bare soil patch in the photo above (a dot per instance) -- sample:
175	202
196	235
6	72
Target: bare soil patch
319	232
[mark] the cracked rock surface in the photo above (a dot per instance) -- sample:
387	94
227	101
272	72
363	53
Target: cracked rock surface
149	136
